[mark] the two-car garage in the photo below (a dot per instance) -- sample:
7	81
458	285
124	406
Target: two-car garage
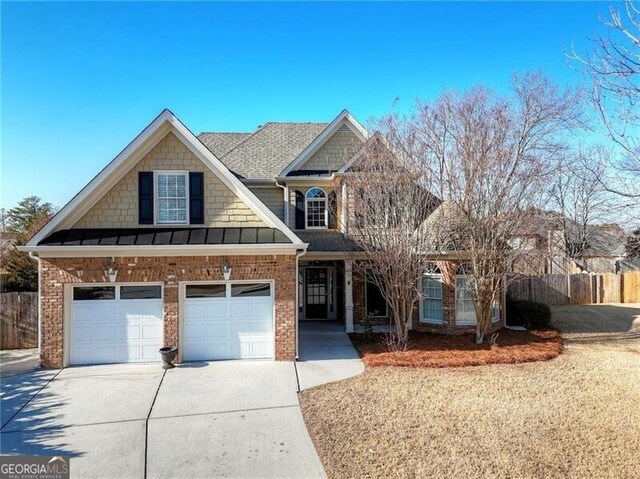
118	323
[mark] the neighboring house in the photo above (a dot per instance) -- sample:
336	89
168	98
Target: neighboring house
551	250
218	244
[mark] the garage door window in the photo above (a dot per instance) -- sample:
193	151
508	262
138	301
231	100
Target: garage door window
250	290
206	291
140	292
94	293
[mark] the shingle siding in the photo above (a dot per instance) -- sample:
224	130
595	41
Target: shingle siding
335	152
119	207
272	197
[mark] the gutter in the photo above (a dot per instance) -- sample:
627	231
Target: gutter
297	306
164	250
314	179
35	257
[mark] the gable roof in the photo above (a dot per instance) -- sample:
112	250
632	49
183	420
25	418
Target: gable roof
344	118
163	124
264	153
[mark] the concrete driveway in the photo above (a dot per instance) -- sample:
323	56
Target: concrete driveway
218	419
18	361
597	322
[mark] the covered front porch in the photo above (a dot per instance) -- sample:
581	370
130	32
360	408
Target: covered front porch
330	291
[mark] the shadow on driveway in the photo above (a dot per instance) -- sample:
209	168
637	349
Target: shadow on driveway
39	433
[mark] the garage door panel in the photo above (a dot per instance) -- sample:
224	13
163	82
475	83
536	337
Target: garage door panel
249	327
257	349
228	328
115	330
151	331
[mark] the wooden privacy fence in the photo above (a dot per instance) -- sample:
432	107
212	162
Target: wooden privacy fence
578	288
18	320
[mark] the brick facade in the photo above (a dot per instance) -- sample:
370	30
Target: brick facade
57	272
448	270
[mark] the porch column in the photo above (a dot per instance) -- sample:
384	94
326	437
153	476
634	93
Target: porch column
348	295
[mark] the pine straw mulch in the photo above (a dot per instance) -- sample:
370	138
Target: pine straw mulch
428	350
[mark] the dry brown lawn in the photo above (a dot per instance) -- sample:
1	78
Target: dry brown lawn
576	416
439	350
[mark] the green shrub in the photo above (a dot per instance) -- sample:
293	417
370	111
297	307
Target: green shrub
530	314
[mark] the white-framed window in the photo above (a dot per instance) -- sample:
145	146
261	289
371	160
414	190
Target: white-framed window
315	203
172	197
431	304
465	298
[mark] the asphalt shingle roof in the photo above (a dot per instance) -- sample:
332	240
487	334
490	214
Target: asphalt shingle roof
264	153
222	143
327	240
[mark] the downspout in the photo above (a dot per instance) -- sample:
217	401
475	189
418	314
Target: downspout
37	258
285	190
298	254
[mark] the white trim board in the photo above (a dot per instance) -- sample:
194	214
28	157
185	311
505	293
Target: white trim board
162	250
162	125
344	118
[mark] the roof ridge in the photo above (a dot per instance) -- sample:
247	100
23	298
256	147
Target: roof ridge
297	122
226	133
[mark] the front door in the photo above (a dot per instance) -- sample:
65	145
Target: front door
316	295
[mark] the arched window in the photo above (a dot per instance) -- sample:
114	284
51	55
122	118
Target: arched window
431	305
316	208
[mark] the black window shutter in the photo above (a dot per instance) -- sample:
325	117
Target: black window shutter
145	197
332	205
196	198
299	211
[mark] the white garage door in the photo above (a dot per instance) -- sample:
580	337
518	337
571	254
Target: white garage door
116	324
228	321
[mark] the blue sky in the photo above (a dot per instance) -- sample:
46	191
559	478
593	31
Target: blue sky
80	80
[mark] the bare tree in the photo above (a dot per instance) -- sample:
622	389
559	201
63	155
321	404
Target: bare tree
387	202
491	159
579	197
614	70
632	245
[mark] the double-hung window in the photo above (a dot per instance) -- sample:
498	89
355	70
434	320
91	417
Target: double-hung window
172	194
465	298
316	208
431	310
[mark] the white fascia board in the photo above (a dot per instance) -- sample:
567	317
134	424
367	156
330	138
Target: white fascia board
162	250
154	132
344	118
302	180
100	178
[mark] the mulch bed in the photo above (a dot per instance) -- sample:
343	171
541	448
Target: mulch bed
428	350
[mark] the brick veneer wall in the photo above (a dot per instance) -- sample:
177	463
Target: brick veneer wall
448	269
56	272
